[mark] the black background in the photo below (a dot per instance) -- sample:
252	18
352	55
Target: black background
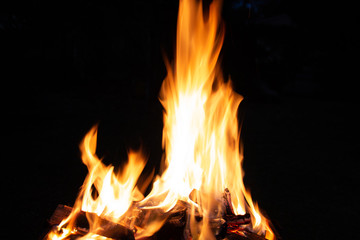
67	65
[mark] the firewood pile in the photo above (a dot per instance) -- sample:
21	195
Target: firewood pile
229	227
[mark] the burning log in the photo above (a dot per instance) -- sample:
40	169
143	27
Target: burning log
227	202
178	218
231	218
234	221
235	228
173	228
246	235
61	212
174	225
106	227
229	227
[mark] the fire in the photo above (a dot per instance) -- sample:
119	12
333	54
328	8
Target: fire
116	192
104	193
201	140
201	136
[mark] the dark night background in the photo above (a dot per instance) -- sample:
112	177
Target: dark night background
66	65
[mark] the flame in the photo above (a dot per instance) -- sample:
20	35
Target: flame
107	194
116	192
201	139
201	136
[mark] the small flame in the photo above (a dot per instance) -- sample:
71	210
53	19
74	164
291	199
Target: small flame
114	192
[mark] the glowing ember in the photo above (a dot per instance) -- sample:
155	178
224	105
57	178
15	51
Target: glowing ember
201	141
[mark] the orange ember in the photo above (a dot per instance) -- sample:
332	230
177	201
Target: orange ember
201	140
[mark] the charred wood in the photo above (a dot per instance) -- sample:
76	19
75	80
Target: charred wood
105	227
61	212
245	236
233	220
227	227
228	203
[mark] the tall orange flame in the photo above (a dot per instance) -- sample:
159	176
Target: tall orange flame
201	136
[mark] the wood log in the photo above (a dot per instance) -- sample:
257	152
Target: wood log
61	212
232	220
230	227
105	227
253	236
245	236
228	203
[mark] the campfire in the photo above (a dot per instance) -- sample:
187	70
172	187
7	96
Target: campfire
199	193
